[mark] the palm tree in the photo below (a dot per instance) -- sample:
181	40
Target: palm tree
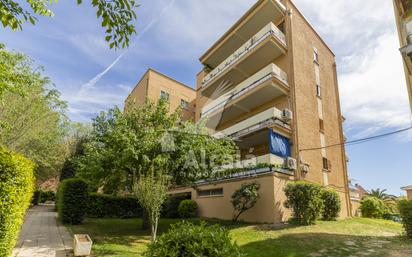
389	200
379	193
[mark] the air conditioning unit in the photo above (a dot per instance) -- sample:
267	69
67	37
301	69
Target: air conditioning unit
305	168
291	163
287	115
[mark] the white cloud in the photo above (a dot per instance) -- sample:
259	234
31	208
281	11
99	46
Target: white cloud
362	34
372	83
376	93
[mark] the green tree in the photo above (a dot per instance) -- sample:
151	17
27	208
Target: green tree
16	72
123	145
78	136
373	207
117	16
389	200
245	198
32	115
151	192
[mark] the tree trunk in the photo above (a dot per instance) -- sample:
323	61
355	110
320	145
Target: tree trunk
145	220
154	232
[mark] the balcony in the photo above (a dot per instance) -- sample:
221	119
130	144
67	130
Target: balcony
269	118
259	89
262	13
268	44
252	162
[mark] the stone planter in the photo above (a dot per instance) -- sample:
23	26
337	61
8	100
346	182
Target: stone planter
82	245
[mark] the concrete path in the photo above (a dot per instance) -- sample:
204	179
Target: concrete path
42	236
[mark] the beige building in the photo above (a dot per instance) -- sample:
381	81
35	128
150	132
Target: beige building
154	85
356	192
403	16
408	190
270	83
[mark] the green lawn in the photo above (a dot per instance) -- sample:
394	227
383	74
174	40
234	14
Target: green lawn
352	237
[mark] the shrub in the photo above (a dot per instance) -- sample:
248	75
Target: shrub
187	239
405	210
16	191
47	195
171	206
331	204
72	201
372	207
187	209
107	206
245	198
35	200
305	199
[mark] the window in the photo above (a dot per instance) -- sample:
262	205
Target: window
164	95
321	125
184	104
327	165
315	55
210	192
318	93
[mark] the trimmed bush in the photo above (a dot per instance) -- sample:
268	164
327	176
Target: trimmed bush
305	200
331	204
372	207
16	191
47	196
186	239
171	206
187	209
405	210
72	201
107	206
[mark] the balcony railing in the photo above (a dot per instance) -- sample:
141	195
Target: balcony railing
269	30
262	120
267	73
251	162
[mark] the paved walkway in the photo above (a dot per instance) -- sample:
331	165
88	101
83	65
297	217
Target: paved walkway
42	236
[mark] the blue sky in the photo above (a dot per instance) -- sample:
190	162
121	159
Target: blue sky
362	34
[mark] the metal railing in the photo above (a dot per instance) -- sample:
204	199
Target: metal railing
267	31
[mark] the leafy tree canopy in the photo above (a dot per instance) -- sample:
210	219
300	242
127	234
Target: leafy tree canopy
32	115
124	145
117	16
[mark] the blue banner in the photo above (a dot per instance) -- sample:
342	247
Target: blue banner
279	145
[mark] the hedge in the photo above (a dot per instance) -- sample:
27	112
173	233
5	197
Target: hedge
405	211
185	239
35	200
72	201
171	206
16	190
107	206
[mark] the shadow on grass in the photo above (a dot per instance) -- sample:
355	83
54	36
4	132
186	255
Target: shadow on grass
325	244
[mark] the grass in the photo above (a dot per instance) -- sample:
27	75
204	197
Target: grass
351	237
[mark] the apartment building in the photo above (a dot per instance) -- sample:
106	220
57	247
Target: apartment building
154	85
270	84
403	16
408	190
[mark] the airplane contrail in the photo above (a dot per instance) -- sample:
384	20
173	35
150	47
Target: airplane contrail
91	83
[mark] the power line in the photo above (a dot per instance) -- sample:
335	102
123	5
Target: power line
359	141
